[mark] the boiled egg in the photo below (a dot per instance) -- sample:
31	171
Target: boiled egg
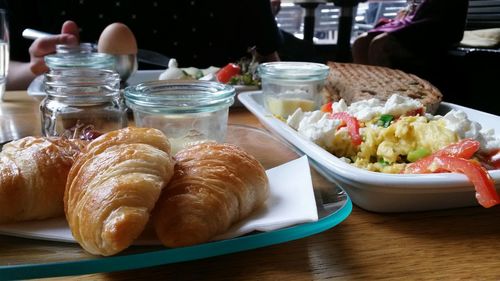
117	39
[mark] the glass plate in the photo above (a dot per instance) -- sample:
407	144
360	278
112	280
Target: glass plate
25	258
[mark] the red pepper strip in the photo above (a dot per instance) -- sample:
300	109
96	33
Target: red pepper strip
415	112
492	160
486	193
227	72
327	107
352	126
462	149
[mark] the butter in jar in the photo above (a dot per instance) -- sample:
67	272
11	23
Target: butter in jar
187	111
287	86
82	103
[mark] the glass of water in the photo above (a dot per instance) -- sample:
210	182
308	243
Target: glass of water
4	51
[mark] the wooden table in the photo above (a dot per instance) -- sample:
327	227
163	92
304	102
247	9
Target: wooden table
458	244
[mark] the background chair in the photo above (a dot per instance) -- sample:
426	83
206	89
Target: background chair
471	74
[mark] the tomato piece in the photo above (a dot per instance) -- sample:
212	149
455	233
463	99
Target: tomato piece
486	193
494	159
462	149
490	160
415	112
327	107
352	126
227	72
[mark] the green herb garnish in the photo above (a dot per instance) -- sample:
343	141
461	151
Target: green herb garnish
385	120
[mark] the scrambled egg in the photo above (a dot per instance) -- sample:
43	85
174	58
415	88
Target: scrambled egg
385	149
341	144
390	139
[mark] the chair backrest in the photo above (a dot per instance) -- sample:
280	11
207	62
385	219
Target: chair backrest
327	21
290	18
483	14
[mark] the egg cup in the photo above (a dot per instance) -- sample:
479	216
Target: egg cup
125	65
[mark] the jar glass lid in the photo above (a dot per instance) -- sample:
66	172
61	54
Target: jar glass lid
82	82
89	60
289	70
180	96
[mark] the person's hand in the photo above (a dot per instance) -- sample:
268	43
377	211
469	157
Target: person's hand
47	45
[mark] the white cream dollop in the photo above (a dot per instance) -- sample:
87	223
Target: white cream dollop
172	72
175	72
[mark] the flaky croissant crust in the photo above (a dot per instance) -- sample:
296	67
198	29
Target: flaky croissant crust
33	172
113	187
214	185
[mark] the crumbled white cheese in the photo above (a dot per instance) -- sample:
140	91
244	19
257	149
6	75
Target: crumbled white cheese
458	122
398	105
314	126
339	106
294	119
366	110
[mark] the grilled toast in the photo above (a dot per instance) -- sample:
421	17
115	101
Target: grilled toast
355	82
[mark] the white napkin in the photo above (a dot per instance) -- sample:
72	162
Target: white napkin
291	201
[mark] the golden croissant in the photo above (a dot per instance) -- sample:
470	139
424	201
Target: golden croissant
33	172
214	185
113	187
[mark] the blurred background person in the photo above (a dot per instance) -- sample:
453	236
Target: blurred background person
420	33
293	48
197	33
417	41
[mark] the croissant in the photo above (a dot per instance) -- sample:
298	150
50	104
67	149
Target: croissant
113	187
214	185
33	172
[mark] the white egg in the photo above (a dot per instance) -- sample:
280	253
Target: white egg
117	39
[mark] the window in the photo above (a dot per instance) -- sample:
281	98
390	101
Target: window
291	18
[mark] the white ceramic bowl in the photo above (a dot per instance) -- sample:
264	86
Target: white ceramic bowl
381	192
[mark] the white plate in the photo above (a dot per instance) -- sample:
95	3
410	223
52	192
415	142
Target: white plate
279	211
381	192
37	91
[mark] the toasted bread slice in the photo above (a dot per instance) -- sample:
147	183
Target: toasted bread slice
355	82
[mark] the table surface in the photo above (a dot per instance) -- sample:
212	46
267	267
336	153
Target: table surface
450	244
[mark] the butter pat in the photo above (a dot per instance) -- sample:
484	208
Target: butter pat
285	107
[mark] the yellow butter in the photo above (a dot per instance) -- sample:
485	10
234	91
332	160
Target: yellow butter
285	107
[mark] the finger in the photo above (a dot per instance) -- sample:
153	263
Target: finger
70	27
47	45
38	67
